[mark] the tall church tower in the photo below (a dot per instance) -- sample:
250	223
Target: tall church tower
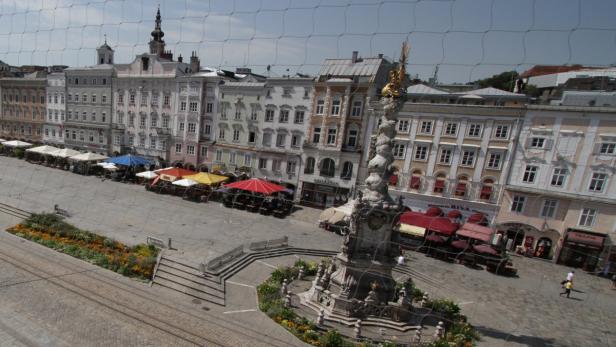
157	44
104	54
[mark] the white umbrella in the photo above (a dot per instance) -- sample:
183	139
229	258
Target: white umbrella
185	182
147	175
42	149
108	166
63	153
88	157
2	140
16	144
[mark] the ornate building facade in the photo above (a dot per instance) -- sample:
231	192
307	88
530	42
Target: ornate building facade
53	129
23	109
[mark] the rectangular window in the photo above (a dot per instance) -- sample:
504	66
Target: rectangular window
262	163
142	141
91	136
517	204
207	129
193	107
537	142
154	121
320	107
93	98
558	177
84	98
530	174
190	150
474	130
356	109
144	99
209	107
445	157
218	155
221	134
331	136
117	140
281	140
295	140
276	164
178	148
335	107
70	98
291	167
252	137
152	143
104	117
163	145
426	127
192	128
267	139
284	116
468	158
93	116
103	99
232	157
203	152
238	112
494	160
181	126
131	99
166	100
403	126
421	152
154	99
166	122
299	117
352	138
501	132
142	121
183	106
236	135
316	135
120	98
549	208
254	113
451	129
597	182
608	148
84	115
269	115
587	217
399	150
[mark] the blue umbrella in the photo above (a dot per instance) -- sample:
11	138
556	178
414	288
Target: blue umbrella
129	160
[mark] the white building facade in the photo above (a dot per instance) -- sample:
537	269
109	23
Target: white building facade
53	129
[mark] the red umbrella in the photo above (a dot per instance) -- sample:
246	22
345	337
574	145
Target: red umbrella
434	212
257	186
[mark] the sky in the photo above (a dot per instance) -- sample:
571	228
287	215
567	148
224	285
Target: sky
466	39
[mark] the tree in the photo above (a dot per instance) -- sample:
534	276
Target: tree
505	81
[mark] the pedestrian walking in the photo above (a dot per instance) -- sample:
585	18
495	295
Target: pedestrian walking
569	278
568	287
401	259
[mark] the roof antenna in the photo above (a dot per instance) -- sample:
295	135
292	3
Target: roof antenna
105	38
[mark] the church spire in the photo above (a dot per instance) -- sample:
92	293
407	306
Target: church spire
157	44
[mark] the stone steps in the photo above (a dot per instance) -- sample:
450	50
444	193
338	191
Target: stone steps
190	291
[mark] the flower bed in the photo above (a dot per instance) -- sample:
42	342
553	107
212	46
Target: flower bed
51	231
459	332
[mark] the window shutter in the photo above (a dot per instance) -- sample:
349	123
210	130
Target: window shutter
597	148
527	142
548	144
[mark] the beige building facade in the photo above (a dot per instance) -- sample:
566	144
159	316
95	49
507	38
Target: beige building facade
560	201
23	107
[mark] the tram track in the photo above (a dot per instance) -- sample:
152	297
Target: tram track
147	299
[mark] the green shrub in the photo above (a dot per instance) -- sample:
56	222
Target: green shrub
332	338
109	243
284	272
450	309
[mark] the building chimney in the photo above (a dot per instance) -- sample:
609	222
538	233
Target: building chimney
354	58
180	59
194	62
380	55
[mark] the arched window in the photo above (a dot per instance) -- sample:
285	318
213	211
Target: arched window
328	167
461	186
487	188
439	183
415	180
309	169
347	170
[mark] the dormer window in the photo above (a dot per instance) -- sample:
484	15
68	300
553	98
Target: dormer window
145	63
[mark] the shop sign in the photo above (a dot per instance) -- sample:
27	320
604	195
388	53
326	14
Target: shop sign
585	238
326	182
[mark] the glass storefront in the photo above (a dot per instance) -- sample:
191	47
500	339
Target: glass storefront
323	196
581	249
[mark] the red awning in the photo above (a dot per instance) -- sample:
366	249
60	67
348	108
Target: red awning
453	214
476	232
257	186
434	238
415	180
393	180
443	225
439	184
415	218
586	238
485	249
460	244
434	212
476	218
486	190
